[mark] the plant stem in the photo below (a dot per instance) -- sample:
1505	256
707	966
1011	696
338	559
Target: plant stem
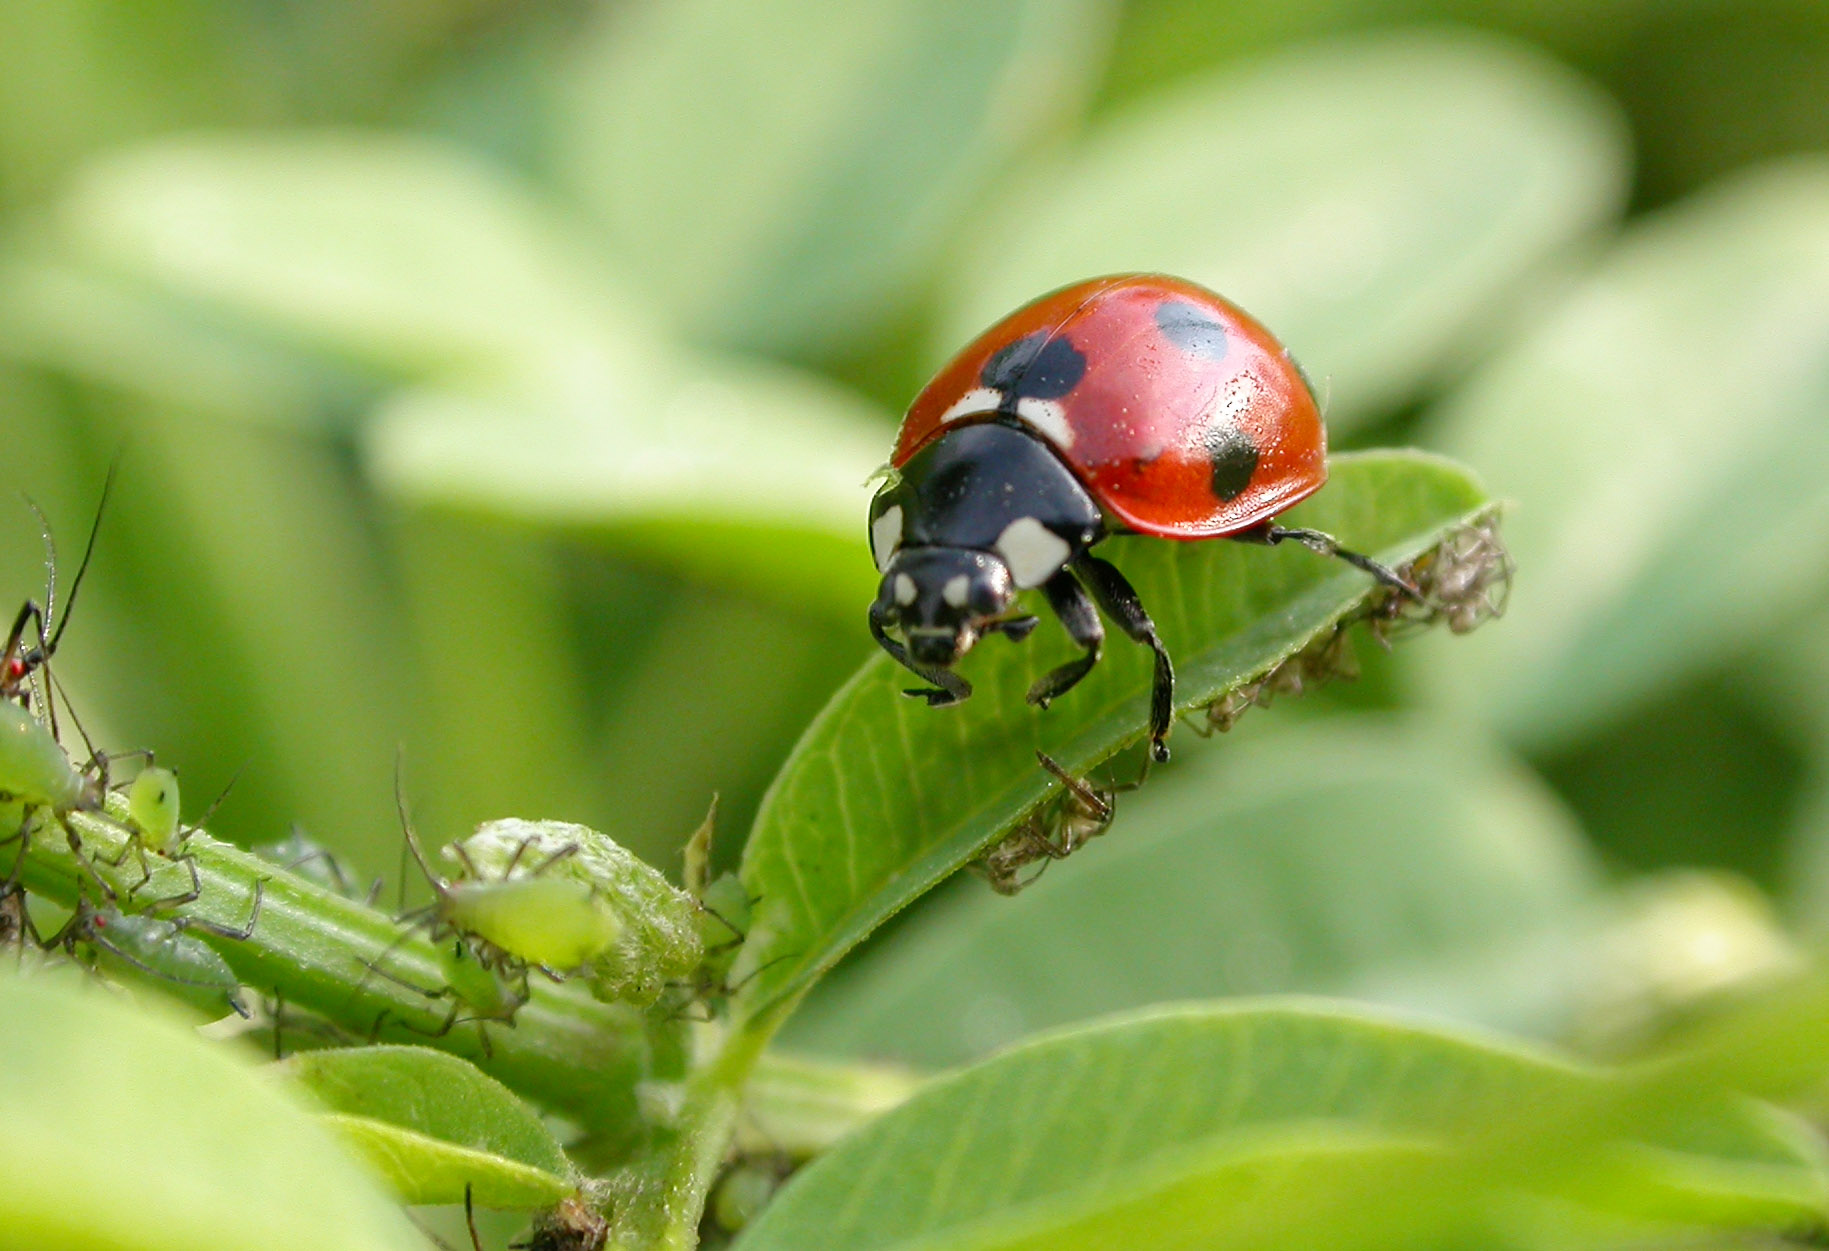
798	1106
355	967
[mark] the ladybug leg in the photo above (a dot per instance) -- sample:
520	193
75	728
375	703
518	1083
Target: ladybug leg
1119	599
951	687
1327	545
1016	629
1068	599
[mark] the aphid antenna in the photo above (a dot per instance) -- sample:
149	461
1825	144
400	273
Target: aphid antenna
185	831
76	583
55	689
401	806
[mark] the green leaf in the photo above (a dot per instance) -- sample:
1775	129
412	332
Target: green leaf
1230	1126
883	797
436	1094
425	1170
1369	199
1662	433
734	470
782	172
125	1130
402	254
1367	856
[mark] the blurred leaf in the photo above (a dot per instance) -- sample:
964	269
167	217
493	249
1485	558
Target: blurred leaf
883	797
402	254
433	1123
1700	773
425	1170
1809	861
1663	434
80	75
782	172
1205	1126
1358	856
126	1131
735	470
1366	199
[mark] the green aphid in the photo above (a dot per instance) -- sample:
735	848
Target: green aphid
724	908
658	942
554	922
523	911
38	782
35	771
152	809
161	953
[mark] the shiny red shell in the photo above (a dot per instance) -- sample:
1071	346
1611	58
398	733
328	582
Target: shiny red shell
1181	415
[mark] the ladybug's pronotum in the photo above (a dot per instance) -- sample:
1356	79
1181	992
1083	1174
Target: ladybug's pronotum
1138	404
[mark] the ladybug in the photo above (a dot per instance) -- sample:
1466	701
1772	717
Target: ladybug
1137	403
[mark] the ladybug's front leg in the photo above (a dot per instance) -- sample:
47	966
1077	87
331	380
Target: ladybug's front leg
1119	599
1068	599
951	687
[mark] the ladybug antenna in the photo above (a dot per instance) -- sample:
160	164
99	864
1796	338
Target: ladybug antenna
886	474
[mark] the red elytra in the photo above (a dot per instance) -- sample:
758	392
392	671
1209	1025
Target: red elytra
1187	420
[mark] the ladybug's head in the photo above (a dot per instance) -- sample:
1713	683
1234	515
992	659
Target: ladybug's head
942	597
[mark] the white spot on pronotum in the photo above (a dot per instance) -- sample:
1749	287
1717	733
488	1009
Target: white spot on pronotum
1049	418
974	403
956	589
885	533
1032	551
905	591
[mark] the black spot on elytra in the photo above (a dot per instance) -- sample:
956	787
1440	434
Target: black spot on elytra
1234	461
1191	328
1034	367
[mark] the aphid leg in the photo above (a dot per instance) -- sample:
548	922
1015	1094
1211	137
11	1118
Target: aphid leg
951	687
1327	545
1119	600
1068	599
1095	804
240	935
476	1243
82	858
192	895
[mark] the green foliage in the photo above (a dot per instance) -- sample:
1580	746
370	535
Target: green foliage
1670	405
432	1125
126	1132
504	380
1183	1127
1329	858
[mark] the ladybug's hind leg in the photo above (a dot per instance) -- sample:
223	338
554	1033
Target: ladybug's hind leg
1120	602
1327	545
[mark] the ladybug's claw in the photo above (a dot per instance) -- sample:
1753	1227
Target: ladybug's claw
935	697
1016	629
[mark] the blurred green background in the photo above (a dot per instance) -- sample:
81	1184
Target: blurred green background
500	380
